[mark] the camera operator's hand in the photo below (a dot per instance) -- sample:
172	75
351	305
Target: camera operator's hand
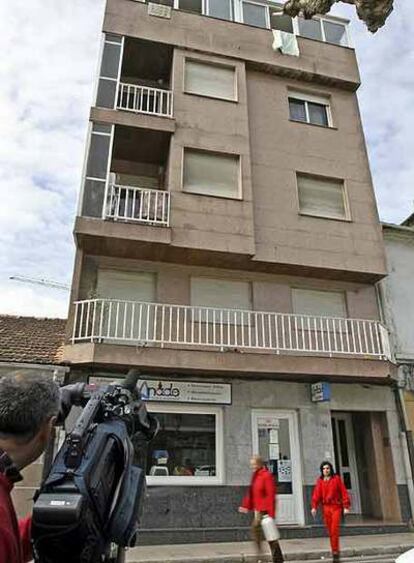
70	395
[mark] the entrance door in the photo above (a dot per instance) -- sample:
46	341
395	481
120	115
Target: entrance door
345	459
275	439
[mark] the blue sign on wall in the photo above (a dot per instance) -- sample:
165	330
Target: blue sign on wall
320	392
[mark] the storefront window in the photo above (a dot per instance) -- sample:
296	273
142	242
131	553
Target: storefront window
186	445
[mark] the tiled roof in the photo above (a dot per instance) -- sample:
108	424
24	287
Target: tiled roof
31	340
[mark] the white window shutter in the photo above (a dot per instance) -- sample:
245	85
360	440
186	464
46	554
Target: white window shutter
319	196
211	173
210	80
223	294
319	303
126	286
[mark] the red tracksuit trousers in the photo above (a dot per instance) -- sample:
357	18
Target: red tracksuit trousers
332	514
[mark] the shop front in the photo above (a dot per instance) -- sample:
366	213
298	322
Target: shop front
198	464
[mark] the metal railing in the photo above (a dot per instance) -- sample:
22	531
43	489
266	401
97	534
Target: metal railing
130	322
129	203
143	99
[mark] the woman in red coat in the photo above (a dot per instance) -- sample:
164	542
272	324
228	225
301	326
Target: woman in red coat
261	499
331	493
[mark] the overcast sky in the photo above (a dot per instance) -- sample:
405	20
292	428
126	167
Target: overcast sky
50	50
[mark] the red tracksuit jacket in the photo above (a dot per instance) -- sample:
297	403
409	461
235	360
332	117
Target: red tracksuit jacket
262	493
15	544
331	491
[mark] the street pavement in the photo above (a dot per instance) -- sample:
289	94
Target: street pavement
356	549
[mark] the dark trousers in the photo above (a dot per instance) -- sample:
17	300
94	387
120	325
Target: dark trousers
258	538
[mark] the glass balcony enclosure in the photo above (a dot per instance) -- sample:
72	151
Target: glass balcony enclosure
266	14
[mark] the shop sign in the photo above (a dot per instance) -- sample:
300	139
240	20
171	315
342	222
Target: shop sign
320	392
166	390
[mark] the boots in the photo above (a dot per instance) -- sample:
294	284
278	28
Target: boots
336	558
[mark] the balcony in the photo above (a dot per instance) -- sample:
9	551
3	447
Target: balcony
186	327
146	100
137	205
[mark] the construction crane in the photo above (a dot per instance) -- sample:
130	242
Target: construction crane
41	281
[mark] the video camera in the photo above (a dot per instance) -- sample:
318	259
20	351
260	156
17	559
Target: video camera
93	494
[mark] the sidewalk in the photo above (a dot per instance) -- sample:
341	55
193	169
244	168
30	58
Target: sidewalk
371	548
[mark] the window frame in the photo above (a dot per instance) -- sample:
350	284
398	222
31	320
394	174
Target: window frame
237	17
311	98
214	64
191	480
347	218
238	197
257	3
343	293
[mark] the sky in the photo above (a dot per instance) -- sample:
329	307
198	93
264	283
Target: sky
50	50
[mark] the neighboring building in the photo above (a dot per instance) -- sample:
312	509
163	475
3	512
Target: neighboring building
398	304
228	244
30	345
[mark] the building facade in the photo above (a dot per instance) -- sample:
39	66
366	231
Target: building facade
228	244
398	305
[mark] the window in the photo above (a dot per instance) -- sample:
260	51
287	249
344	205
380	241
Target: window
208	79
222	9
334	32
280	21
319	303
194	6
255	14
209	173
309	109
322	197
221	294
188	446
323	30
311	29
109	71
98	157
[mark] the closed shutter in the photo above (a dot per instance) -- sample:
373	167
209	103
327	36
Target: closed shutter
210	80
319	303
144	182
218	295
211	174
127	286
320	196
126	315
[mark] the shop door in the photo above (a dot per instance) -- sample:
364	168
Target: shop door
345	458
275	439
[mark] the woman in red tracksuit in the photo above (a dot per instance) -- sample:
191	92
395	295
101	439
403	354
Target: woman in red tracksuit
331	493
261	499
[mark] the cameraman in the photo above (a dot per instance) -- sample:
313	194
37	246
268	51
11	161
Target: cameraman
29	405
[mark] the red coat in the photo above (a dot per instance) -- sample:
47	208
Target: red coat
262	493
330	491
15	544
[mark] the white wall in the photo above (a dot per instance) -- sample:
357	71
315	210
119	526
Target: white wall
398	290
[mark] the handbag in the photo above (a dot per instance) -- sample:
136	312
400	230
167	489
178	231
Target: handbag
270	531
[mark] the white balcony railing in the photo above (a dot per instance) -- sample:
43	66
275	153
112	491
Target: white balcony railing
129	322
143	99
129	203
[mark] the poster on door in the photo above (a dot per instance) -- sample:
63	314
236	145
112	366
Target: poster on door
284	471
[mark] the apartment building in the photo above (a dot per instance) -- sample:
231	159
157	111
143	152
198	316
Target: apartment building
228	244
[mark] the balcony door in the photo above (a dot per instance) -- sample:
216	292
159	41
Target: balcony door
276	440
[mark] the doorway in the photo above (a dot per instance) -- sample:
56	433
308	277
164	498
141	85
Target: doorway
345	457
276	440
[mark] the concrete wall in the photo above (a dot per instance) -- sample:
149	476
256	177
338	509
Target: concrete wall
279	149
